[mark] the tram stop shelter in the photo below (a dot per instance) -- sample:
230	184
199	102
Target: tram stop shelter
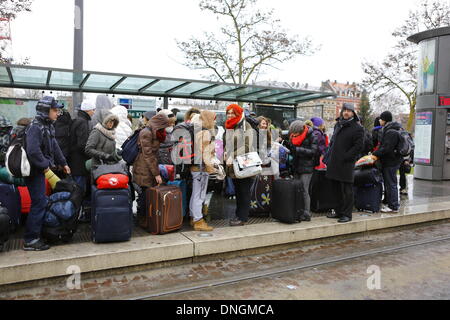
31	77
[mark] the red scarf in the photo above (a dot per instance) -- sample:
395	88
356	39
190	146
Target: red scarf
232	123
161	135
298	140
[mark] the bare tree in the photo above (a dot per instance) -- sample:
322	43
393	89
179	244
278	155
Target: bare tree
250	40
9	9
398	71
391	102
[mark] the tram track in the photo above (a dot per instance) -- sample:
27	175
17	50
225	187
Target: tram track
281	270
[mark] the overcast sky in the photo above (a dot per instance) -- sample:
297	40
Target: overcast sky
138	36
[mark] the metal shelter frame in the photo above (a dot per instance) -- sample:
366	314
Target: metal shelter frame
41	78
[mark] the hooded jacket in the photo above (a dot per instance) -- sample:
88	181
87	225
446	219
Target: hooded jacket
42	148
79	134
124	129
101	142
101	103
389	140
345	146
145	167
205	141
5	131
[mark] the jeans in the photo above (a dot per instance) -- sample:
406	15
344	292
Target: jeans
391	187
243	197
198	197
305	180
402	177
36	187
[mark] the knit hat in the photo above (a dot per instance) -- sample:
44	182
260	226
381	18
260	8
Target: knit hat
317	121
296	127
348	106
386	116
87	106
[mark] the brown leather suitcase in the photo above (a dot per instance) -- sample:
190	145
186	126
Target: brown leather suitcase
164	210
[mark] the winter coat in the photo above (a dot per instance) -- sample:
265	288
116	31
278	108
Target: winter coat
367	144
204	141
235	139
345	146
101	142
145	167
42	148
321	140
79	134
124	129
5	132
62	132
389	140
305	156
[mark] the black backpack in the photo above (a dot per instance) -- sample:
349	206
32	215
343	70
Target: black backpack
182	154
405	144
16	160
62	132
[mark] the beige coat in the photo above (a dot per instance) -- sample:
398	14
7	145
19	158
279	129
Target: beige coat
204	141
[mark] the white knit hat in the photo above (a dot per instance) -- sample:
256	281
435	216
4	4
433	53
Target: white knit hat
87	105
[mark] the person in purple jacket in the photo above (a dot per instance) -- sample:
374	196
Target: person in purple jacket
319	133
43	153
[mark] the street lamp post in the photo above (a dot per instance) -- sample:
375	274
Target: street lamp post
78	51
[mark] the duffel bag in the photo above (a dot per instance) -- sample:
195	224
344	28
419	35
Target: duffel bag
117	168
113	181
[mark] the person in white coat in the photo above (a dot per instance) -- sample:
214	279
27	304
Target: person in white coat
124	130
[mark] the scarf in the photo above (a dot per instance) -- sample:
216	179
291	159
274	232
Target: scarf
233	122
298	140
110	134
161	135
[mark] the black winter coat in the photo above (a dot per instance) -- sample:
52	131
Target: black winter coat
389	141
305	155
79	134
345	146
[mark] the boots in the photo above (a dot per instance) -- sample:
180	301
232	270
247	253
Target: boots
201	225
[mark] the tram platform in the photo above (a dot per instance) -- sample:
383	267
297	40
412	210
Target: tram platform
427	202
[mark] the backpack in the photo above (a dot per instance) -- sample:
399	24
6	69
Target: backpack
130	148
405	144
62	132
16	160
183	148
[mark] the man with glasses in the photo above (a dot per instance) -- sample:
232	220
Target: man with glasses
43	153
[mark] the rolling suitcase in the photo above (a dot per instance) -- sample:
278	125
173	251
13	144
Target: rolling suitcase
10	199
368	197
367	176
164	210
112	215
322	194
287	205
261	196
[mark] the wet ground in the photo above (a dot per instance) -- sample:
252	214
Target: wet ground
420	272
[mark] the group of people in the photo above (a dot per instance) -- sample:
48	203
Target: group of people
97	135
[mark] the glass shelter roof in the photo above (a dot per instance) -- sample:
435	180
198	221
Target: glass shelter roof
29	77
